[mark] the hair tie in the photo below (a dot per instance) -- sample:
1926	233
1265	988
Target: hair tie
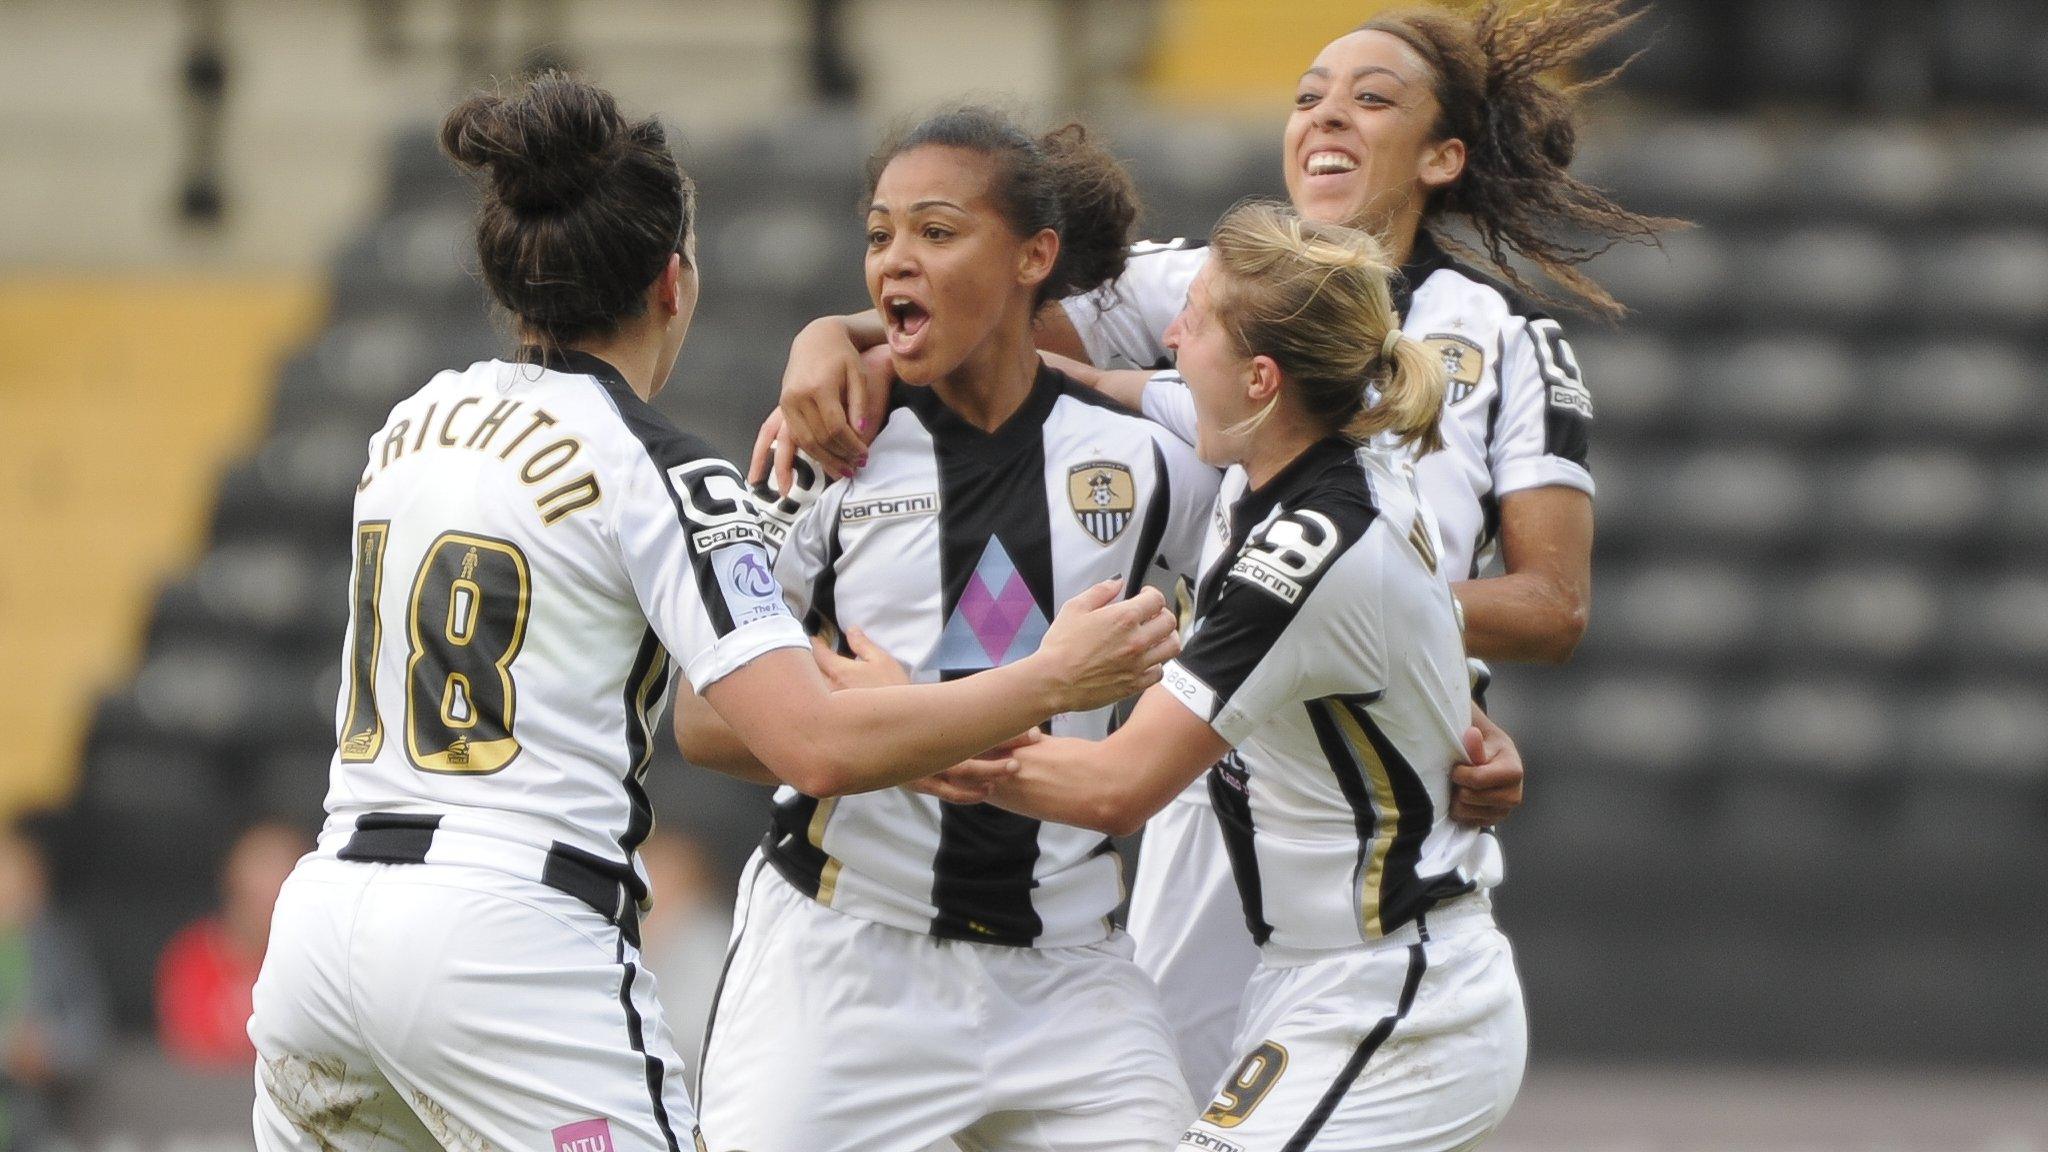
1388	345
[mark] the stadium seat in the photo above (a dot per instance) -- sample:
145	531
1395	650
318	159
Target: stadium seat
1986	280
2006	618
1831	725
1792	385
1993	730
1742	495
1834	274
1674	613
1921	498
1970	389
1861	614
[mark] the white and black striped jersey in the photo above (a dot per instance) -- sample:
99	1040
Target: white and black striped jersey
533	544
1326	650
1516	411
953	548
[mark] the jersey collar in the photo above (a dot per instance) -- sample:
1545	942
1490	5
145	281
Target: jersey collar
575	362
1426	259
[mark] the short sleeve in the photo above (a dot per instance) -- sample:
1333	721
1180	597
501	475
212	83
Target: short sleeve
1295	617
693	549
1123	323
1546	414
1168	403
806	553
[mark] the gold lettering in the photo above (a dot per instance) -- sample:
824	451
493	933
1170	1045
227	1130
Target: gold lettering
581	492
533	473
424	425
448	421
540	420
481	438
394	443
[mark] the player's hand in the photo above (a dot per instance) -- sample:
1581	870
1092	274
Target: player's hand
1101	649
829	404
1485	791
974	781
869	667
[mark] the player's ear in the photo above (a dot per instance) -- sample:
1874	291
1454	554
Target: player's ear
1265	379
1036	257
668	288
1442	163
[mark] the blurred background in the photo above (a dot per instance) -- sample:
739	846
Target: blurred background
1782	878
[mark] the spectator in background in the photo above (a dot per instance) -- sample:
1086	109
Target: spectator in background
52	1016
683	939
204	980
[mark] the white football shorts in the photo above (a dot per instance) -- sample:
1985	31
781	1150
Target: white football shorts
422	1007
1188	922
832	1033
1414	1043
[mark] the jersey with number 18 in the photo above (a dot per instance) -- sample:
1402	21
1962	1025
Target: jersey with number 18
534	545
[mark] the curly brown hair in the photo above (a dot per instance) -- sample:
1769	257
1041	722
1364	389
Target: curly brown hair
1520	136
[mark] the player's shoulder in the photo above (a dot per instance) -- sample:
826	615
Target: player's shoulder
1446	286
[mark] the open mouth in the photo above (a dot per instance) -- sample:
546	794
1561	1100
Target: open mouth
1329	162
906	321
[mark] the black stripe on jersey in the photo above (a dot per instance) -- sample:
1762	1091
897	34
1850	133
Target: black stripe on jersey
1304	1136
1229	796
1425	260
1350	776
644	684
667	447
1403	893
1567	409
788	843
992	485
1157	510
636	1036
1237	621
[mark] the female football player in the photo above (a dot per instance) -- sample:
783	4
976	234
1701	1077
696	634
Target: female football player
1417	121
906	969
1324	678
456	965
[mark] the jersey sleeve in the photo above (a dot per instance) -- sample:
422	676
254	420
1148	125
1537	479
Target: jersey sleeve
1123	323
691	540
1546	414
1168	403
1191	504
1296	619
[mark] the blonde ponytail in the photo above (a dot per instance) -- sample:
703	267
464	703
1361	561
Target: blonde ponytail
1411	397
1316	298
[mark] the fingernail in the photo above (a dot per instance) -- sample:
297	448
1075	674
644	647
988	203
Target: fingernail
861	463
862	424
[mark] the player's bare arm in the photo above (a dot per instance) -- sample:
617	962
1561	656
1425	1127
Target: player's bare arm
1096	652
831	404
1114	785
706	740
1537	610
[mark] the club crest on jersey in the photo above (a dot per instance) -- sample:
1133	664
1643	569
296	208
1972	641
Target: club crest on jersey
1103	496
1464	364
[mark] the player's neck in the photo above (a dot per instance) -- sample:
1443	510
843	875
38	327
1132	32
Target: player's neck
1280	441
632	354
993	382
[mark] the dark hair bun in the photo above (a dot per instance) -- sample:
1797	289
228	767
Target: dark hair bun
1101	208
545	148
583	207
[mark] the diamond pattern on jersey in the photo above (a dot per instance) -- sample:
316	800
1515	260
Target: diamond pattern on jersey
997	621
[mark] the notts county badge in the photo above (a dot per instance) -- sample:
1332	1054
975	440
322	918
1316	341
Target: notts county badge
1103	496
1463	364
